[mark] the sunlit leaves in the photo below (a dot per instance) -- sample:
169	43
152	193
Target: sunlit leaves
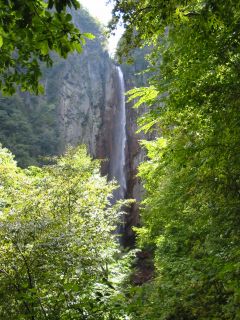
58	249
144	95
30	32
191	177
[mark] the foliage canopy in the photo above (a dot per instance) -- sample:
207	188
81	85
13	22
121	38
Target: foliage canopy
58	250
29	31
191	209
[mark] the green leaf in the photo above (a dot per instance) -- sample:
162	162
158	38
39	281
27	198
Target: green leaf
89	36
68	17
44	47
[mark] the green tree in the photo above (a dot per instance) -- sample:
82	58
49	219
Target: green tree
29	31
58	250
191	208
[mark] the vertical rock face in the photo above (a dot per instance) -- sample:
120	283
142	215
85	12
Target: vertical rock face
86	90
82	100
78	106
135	154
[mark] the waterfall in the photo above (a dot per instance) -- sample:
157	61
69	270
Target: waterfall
118	156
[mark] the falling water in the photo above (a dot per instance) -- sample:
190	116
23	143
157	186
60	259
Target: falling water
118	158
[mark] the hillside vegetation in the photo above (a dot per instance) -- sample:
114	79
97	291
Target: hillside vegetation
190	213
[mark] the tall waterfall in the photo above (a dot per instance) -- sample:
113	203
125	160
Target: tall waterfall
118	157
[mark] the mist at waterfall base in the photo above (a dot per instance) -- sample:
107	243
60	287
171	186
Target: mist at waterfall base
117	168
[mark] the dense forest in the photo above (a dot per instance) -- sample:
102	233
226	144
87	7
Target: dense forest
60	252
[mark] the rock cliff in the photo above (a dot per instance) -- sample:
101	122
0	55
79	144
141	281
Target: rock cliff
80	106
80	95
134	77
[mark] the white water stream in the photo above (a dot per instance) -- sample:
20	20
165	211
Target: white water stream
118	161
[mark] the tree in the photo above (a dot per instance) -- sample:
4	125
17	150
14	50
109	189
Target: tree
190	216
29	31
58	250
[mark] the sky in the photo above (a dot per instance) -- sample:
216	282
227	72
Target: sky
100	10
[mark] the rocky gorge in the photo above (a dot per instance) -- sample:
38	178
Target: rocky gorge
81	105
